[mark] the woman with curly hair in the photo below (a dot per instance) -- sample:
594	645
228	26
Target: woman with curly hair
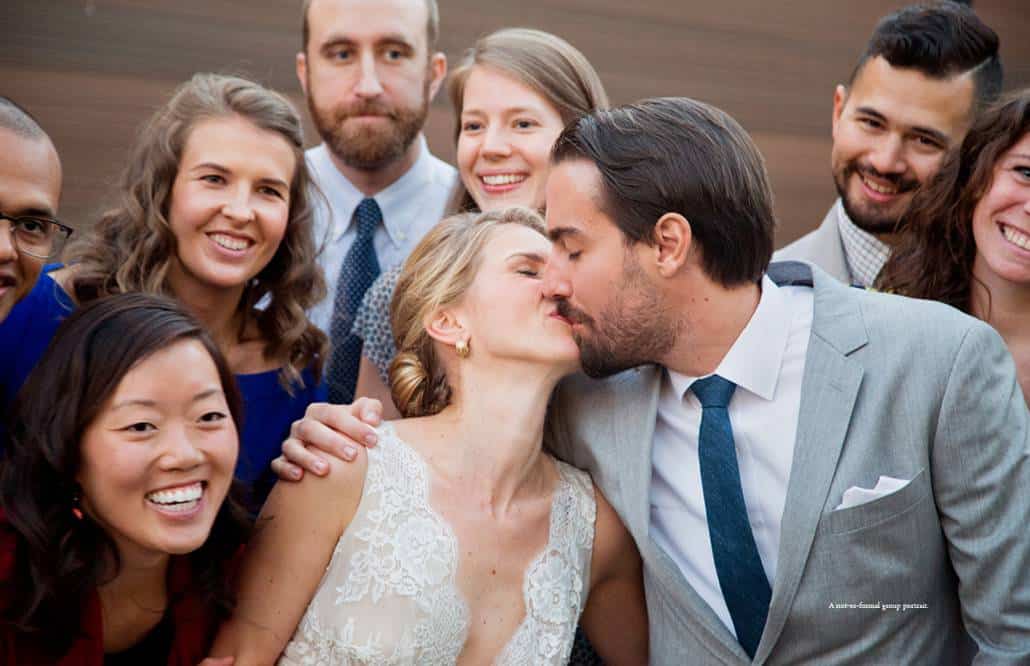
214	211
118	530
966	238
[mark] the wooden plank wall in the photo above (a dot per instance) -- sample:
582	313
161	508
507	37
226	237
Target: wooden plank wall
92	70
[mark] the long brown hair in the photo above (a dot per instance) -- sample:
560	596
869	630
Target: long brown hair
545	63
934	255
63	559
132	246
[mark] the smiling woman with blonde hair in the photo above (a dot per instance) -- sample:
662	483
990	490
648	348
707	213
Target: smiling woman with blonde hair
513	92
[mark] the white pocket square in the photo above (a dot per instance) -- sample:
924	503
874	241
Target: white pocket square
855	495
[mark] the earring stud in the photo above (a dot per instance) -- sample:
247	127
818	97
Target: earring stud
462	347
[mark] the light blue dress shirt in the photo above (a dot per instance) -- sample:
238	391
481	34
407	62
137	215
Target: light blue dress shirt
411	206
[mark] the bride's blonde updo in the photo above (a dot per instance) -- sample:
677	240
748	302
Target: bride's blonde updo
437	274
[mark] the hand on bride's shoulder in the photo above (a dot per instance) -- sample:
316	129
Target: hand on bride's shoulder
328	431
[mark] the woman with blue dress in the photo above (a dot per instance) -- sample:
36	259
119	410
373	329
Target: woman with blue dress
213	211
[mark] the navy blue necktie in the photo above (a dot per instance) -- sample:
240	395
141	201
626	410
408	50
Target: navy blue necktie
741	576
359	270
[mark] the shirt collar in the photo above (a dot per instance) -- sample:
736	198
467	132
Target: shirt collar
394	201
753	362
865	253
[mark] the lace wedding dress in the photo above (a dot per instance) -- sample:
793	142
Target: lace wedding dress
389	594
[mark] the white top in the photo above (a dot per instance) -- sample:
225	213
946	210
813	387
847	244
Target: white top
767	363
390	593
411	206
865	253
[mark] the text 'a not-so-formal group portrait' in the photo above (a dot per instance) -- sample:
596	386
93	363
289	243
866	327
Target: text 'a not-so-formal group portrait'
510	342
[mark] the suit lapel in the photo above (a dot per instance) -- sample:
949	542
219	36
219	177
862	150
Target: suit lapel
708	628
830	388
635	434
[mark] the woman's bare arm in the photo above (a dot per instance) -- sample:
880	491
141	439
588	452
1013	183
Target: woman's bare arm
327	430
296	533
615	617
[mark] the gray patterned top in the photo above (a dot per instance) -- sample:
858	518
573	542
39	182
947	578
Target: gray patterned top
372	322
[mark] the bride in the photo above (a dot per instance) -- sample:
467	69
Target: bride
457	539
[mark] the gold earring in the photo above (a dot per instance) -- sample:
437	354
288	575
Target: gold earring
462	347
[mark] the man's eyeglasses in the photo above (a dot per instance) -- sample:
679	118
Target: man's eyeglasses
38	236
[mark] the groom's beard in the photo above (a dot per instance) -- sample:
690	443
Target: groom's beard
631	331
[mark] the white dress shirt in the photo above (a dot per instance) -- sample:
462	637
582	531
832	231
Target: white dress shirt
411	206
767	364
865	253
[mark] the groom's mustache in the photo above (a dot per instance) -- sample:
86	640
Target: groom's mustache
574	315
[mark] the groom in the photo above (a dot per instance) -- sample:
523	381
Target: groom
813	473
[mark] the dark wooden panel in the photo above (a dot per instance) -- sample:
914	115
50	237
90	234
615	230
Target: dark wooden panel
92	70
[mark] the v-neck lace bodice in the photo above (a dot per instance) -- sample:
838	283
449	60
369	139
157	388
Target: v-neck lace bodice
390	595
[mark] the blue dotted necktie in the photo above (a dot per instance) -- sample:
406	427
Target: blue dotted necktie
741	576
357	273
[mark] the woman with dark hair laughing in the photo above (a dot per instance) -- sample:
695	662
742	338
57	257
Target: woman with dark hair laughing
118	527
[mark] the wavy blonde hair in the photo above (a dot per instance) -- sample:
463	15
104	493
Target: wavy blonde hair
438	273
132	245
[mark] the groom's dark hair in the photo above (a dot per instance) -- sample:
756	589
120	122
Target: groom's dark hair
678	155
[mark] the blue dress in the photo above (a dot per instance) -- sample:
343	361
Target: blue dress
269	409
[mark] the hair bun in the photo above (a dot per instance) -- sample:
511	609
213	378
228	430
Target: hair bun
437	273
414	391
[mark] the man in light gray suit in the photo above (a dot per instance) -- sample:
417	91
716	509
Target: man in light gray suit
860	490
925	72
814	474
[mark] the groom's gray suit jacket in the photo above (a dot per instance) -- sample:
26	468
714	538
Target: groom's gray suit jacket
892	386
823	246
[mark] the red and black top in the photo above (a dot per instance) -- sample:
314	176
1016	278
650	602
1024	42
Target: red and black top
188	627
